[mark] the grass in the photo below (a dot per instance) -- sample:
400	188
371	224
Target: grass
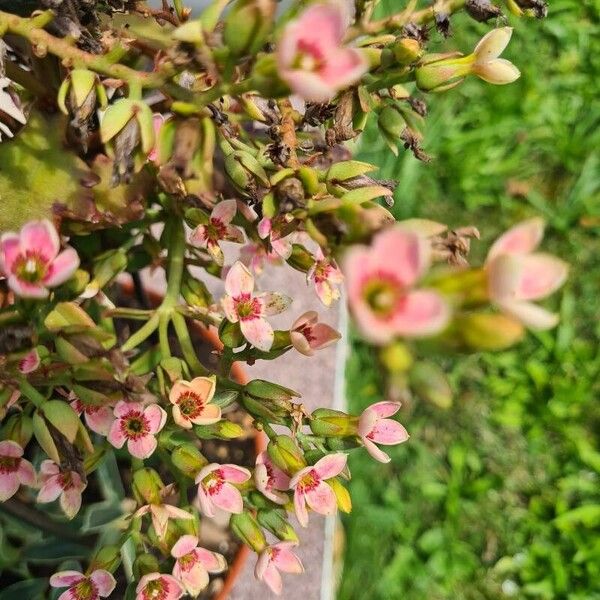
499	496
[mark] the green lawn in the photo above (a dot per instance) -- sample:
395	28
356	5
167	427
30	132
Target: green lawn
499	496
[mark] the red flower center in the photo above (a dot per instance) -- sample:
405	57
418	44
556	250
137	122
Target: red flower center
213	482
9	464
307	332
66	480
309	481
30	267
88	409
310	56
384	294
134	425
187	561
215	230
190	404
157	589
247	307
323	270
84	590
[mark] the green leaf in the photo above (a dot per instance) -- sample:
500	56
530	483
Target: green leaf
54	550
32	589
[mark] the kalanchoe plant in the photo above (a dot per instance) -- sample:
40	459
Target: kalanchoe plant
188	141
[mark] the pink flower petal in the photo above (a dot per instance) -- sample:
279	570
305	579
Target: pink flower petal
323	335
229	499
70	502
26	473
156	416
48	468
115	435
30	362
9	251
274	303
26	289
541	275
66	578
285	560
228	305
9	484
422	313
331	465
143	447
225	211
388	432
123	408
235	474
258	332
344	67
206	505
101	420
210	414
385	409
175	512
42	237
211	561
10	448
301	344
411	254
62	268
321	499
184	545
194	579
104	582
375	452
300	508
50	490
520	239
531	315
272	578
239	281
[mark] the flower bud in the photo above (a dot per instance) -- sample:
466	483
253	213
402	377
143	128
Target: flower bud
275	522
489	331
62	417
107	558
333	423
259	388
188	459
81	89
342	496
44	438
223	430
286	454
406	50
145	564
68	352
68	317
247	26
438	73
147	486
431	384
247	529
396	357
245	172
18	428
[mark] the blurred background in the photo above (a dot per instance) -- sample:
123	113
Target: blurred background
497	493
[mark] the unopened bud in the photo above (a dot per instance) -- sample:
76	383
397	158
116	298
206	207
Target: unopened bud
327	422
247	529
406	50
286	454
188	459
18	428
342	496
145	564
439	72
147	486
275	522
396	357
107	558
482	331
223	430
247	25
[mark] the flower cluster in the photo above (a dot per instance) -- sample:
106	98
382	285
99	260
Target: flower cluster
211	147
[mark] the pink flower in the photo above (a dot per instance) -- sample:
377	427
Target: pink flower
30	362
157	586
311	57
32	262
270	479
240	305
281	246
136	425
310	487
326	276
14	470
66	484
99	584
379	287
218	228
160	514
193	564
308	335
255	255
215	488
375	428
191	402
97	418
273	559
517	275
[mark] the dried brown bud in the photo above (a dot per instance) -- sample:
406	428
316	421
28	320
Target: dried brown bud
482	10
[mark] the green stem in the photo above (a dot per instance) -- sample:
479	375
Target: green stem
176	264
187	346
163	333
142	334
